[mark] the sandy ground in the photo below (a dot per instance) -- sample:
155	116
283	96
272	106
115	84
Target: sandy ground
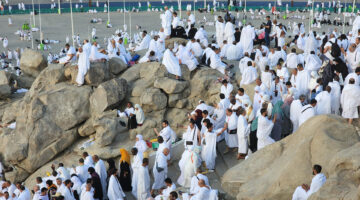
57	27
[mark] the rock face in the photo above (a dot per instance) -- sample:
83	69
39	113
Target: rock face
275	171
170	42
108	95
51	114
98	73
5	89
55	115
32	62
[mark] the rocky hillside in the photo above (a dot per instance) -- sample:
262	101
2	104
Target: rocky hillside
274	172
55	113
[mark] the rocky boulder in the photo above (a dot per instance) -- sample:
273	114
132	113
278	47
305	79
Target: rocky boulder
108	95
5	89
116	66
106	130
46	124
32	62
170	42
152	99
288	163
170	86
98	73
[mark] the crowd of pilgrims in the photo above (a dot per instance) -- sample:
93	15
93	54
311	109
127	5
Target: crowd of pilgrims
297	75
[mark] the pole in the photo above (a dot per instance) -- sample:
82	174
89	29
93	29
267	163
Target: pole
245	7
41	34
194	10
130	25
33	8
108	12
180	8
31	35
343	25
124	13
311	16
353	8
59	7
72	24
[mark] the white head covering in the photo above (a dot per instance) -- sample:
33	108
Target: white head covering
266	98
140	116
141	144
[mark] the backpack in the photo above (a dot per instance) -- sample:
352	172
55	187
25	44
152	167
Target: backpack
335	49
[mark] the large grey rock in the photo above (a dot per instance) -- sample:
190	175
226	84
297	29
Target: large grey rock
5	89
108	95
11	112
4	78
152	99
106	130
170	86
98	73
170	42
47	78
46	124
332	144
179	100
117	66
23	81
32	62
87	128
177	117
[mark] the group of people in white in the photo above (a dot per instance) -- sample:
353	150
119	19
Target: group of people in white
300	76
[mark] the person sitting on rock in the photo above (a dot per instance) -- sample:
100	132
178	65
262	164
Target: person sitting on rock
303	192
70	55
128	113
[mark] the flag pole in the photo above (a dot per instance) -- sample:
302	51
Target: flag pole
194	10
353	8
31	34
59	11
41	34
72	24
130	24
108	22
124	12
33	8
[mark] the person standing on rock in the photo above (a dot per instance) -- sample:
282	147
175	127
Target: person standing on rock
125	172
243	131
303	192
135	165
265	126
115	191
167	133
208	153
88	160
83	66
82	171
160	170
101	170
143	185
171	63
307	111
350	100
67	191
231	130
96	183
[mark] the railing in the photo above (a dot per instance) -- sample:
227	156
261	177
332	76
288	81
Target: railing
144	8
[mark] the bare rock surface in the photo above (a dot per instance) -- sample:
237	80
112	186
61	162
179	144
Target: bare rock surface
275	171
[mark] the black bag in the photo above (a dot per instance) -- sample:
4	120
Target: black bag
233	132
335	49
